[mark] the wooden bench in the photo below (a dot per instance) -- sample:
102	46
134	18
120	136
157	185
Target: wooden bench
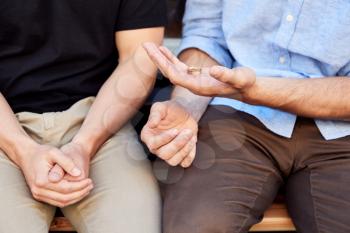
275	219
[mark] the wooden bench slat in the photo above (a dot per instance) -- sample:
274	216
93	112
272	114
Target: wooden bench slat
61	224
275	219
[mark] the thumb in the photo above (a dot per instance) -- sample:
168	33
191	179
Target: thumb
158	112
56	174
59	158
222	74
239	77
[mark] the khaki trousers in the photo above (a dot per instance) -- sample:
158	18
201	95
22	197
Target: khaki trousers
125	199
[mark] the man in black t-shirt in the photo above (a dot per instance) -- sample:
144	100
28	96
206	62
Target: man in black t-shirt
72	74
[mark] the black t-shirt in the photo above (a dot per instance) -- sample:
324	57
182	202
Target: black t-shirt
56	52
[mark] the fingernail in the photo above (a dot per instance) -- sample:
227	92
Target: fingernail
55	176
76	172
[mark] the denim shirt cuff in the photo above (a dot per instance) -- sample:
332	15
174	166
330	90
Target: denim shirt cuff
209	46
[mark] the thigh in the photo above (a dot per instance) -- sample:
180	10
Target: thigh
230	185
19	211
318	197
126	196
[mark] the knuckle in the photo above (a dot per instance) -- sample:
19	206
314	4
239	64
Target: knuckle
151	144
164	156
64	200
61	205
156	106
38	198
185	164
153	151
142	136
180	142
229	73
152	56
172	163
52	151
39	183
35	192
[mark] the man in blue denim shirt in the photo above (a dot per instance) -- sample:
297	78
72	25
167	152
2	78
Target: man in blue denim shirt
279	116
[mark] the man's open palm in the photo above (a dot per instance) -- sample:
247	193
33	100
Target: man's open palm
211	81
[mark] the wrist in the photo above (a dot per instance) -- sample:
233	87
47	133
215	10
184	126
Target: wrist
187	106
21	149
250	94
89	144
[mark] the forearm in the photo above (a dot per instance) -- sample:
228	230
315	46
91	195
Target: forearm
194	104
325	98
117	101
13	139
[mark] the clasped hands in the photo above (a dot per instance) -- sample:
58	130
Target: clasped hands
171	131
58	177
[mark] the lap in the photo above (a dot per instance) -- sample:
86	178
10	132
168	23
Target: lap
231	183
126	196
318	197
19	211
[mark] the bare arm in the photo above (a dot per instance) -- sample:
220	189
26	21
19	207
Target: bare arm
124	92
194	104
326	98
171	131
13	139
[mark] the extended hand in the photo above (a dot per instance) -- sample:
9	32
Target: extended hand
214	81
171	134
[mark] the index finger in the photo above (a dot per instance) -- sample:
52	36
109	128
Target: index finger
161	61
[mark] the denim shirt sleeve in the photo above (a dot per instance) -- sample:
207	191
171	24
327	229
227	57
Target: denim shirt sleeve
203	30
345	71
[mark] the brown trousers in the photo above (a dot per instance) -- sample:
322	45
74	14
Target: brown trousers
241	165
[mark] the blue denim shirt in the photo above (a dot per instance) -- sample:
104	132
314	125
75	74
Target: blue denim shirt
298	38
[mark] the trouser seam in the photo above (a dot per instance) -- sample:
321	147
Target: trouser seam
81	220
254	203
313	203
